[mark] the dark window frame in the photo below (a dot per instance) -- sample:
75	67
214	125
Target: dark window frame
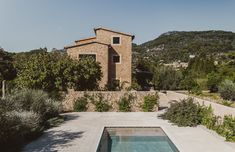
117	41
117	61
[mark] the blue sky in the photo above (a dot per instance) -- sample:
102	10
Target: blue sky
30	24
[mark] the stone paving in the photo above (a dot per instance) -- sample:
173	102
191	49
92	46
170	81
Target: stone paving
81	132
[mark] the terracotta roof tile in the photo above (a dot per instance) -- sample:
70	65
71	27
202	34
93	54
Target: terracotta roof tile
72	46
90	38
100	28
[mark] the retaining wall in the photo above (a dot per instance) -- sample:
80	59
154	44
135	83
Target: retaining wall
112	97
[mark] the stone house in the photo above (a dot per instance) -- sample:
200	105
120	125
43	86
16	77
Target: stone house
112	49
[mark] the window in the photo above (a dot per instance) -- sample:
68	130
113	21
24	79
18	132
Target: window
82	56
116	40
116	59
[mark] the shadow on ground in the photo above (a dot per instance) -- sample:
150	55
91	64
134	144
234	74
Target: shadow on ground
51	140
70	117
162	107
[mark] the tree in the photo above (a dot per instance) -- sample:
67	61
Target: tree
213	81
143	74
201	65
84	74
166	78
189	84
56	71
7	70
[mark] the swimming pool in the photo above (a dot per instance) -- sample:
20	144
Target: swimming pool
135	139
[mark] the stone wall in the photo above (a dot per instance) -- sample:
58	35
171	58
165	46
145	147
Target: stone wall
102	47
122	70
101	52
112	97
164	98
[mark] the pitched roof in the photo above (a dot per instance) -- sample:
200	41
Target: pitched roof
72	46
100	28
90	38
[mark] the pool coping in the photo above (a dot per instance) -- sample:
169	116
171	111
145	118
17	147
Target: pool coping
161	127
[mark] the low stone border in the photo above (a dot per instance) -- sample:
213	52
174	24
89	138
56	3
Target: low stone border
111	96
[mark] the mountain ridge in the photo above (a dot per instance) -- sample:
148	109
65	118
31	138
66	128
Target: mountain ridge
179	45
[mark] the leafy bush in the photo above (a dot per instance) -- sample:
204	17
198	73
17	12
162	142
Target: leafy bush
34	100
187	113
134	85
150	101
81	104
125	103
18	127
227	90
196	90
30	123
227	128
208	118
23	116
101	105
184	113
53	108
227	103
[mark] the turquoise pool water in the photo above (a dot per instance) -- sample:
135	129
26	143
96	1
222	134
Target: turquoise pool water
135	140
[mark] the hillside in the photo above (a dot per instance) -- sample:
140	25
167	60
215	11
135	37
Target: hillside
172	46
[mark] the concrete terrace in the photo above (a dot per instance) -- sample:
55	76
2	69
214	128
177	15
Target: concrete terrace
82	131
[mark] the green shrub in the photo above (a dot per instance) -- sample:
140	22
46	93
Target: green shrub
34	100
227	103
23	117
227	128
184	113
18	127
81	104
134	85
125	103
227	90
30	123
196	90
27	99
101	104
53	108
208	118
150	101
187	113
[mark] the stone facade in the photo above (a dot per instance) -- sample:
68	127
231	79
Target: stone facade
105	50
101	52
113	97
